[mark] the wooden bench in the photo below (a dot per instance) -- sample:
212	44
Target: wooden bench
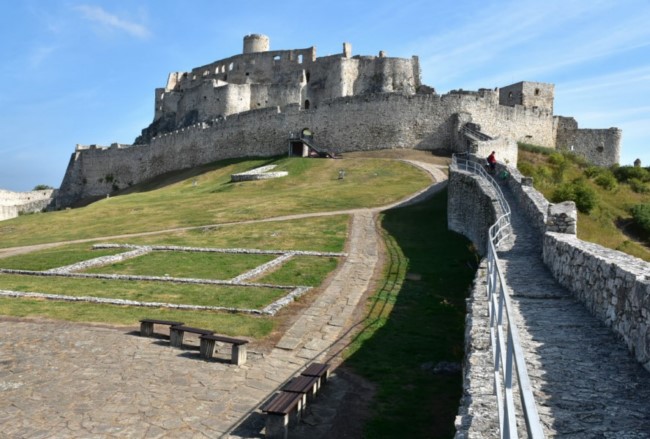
319	370
176	334
282	410
146	325
238	352
288	405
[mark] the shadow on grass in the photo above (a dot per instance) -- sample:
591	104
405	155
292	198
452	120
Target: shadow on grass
416	321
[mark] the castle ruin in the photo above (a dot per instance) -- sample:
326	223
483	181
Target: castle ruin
250	105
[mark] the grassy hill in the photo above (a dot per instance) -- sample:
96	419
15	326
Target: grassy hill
205	196
606	197
199	208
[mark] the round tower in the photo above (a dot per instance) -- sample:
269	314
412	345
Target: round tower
256	43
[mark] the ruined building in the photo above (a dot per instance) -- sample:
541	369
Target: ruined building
252	104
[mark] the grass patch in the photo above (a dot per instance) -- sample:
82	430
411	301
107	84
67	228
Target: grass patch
312	186
221	266
222	323
205	295
55	257
325	233
414	321
302	270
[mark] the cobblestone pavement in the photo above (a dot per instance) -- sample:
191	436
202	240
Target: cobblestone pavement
586	383
78	381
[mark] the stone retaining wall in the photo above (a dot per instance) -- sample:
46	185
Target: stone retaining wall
614	286
471	207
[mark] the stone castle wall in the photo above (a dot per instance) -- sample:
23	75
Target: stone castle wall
13	204
601	147
353	123
247	105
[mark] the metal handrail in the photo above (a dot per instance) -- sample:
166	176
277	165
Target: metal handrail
504	336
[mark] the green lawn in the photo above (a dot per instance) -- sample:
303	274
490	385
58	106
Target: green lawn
56	257
312	186
165	292
414	320
302	270
220	266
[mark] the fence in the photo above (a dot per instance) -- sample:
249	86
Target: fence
504	336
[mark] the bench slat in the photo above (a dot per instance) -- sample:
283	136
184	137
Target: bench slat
224	339
162	322
301	384
316	370
283	403
192	330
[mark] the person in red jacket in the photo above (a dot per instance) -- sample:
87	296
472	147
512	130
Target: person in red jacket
492	161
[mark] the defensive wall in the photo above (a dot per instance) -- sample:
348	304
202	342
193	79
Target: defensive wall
614	286
353	123
248	104
601	147
13	204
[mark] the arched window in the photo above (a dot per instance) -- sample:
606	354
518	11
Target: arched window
307	104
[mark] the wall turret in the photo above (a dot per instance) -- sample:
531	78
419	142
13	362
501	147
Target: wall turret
255	43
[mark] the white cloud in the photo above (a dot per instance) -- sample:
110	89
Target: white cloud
113	22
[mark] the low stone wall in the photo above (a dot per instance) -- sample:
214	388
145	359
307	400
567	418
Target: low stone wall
532	202
614	286
471	207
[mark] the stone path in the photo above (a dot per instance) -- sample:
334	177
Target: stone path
77	381
586	383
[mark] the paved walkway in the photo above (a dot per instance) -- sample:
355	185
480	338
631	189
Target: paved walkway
586	383
76	381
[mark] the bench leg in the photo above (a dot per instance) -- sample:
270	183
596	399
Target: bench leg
176	338
146	329
207	348
277	426
238	354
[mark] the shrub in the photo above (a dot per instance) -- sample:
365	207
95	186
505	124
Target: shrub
586	198
42	187
593	171
579	192
626	173
564	192
641	217
638	186
606	180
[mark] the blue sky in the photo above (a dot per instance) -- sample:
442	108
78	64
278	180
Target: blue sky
85	71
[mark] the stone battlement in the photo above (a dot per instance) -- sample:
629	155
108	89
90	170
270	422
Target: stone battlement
248	104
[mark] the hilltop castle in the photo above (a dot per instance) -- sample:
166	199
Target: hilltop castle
252	104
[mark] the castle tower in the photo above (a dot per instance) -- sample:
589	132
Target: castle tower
256	43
